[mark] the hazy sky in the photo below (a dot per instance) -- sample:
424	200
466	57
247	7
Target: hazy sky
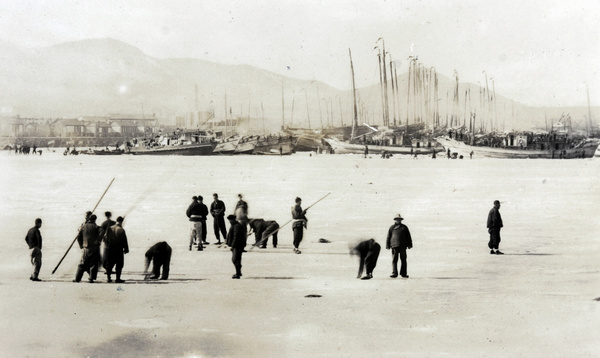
538	52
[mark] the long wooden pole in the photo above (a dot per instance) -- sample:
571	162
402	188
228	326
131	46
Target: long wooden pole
94	209
274	232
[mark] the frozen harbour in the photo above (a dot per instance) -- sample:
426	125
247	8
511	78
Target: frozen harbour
537	300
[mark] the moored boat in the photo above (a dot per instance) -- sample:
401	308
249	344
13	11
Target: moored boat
274	144
246	145
547	150
340	147
226	147
186	143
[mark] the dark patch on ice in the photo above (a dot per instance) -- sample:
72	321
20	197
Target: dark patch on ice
324	241
453	278
272	278
313	296
160	343
597	299
530	254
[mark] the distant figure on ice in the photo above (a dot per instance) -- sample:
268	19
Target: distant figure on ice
494	224
160	255
262	230
34	241
89	242
366	151
471	155
115	250
217	210
195	214
236	239
368	251
398	239
299	224
241	211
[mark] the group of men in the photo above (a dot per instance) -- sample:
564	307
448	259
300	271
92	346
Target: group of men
239	221
112	234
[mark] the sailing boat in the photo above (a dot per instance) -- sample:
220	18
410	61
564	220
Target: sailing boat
379	141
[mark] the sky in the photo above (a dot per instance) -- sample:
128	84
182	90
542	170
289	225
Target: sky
540	53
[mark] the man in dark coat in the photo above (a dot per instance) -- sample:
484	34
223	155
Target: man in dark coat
160	254
494	224
236	239
217	210
103	230
262	230
299	223
89	241
398	239
368	251
194	213
116	248
34	241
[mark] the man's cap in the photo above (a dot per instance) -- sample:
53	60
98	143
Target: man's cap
215	194
107	214
231	217
194	197
120	219
398	217
298	199
496	201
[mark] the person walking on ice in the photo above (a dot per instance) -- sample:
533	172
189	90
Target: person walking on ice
494	224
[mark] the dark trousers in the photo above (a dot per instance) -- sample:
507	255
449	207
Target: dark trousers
298	234
371	259
236	258
270	230
204	231
494	238
165	262
114	259
402	252
90	260
219	226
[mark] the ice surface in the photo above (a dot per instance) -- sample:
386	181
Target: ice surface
460	301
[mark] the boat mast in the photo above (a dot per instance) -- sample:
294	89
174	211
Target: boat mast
355	122
226	115
591	128
282	108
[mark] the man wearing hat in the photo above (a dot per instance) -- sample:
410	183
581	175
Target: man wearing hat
494	224
116	248
236	239
398	239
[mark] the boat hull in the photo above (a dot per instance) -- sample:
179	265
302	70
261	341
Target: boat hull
349	148
585	151
226	148
186	149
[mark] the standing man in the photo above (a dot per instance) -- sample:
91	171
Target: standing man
241	210
217	210
366	151
368	251
194	213
299	224
103	231
236	239
398	239
160	254
34	240
494	224
89	241
204	214
115	250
